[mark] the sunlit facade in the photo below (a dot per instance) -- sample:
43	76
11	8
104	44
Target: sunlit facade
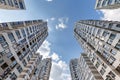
107	4
101	43
12	4
19	42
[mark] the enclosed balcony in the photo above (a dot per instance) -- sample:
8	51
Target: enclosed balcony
4	26
16	25
28	23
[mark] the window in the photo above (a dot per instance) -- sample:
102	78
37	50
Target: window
105	54
21	5
19	53
105	33
111	38
11	37
27	46
19	68
3	41
118	25
30	29
102	71
110	2
1	60
23	32
106	47
18	34
24	62
23	49
12	59
97	65
104	3
113	51
118	45
4	66
110	25
28	58
10	3
27	31
111	60
13	76
117	1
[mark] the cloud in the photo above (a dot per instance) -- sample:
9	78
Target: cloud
60	69
52	19
62	23
49	0
55	57
45	49
61	26
113	15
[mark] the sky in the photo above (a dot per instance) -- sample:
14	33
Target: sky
61	16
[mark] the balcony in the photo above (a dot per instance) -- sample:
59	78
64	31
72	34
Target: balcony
13	64
28	23
7	71
4	28
109	41
4	44
16	24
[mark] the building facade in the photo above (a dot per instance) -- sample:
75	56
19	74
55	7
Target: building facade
45	69
12	4
101	43
86	69
18	43
73	69
107	4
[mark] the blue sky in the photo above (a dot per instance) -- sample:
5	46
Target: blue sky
61	16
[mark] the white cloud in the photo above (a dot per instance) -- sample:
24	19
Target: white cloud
52	19
61	26
113	15
62	23
45	49
55	57
49	0
59	70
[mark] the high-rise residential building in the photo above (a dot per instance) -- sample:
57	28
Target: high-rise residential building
86	70
101	42
73	69
107	4
12	4
45	69
19	42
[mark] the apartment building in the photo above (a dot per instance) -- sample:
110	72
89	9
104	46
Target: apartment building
107	4
101	42
12	4
74	69
45	69
18	43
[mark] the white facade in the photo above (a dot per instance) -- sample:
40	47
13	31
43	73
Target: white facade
101	41
18	43
107	4
86	69
12	4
